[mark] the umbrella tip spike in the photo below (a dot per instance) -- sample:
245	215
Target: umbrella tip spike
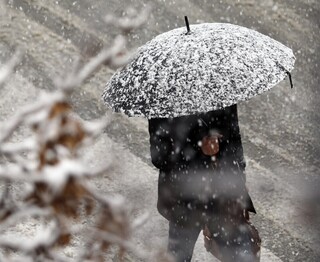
187	24
288	73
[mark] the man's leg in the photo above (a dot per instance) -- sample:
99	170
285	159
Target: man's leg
182	241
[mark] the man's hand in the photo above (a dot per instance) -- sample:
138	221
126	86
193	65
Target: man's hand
210	145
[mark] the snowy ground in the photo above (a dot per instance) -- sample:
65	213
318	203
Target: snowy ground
280	129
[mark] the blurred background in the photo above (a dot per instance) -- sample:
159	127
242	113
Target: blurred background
280	129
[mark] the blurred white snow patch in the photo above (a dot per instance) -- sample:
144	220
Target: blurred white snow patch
7	69
31	234
26	145
117	202
16	93
57	176
268	256
141	220
96	127
38	117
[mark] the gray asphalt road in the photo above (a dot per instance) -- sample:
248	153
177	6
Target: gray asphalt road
280	128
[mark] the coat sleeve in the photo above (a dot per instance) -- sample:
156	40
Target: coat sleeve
238	154
235	140
161	143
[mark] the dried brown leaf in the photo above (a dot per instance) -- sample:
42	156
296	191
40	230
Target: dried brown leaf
64	239
58	109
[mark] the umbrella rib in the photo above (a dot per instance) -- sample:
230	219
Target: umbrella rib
203	121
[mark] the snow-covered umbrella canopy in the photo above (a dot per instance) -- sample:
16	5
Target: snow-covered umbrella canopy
213	66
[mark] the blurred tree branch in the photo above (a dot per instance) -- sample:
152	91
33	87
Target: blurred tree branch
57	182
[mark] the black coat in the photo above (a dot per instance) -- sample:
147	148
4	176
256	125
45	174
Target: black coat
190	183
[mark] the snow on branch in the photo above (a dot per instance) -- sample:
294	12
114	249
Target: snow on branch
8	68
106	56
130	22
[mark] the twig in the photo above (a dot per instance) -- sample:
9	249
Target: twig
138	222
17	148
106	56
27	211
127	24
8	68
18	119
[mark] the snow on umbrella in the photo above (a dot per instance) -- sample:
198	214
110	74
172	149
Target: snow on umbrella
213	66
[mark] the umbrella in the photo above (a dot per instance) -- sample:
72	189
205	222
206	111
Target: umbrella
211	66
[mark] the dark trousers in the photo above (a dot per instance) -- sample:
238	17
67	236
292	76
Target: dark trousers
230	238
182	241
